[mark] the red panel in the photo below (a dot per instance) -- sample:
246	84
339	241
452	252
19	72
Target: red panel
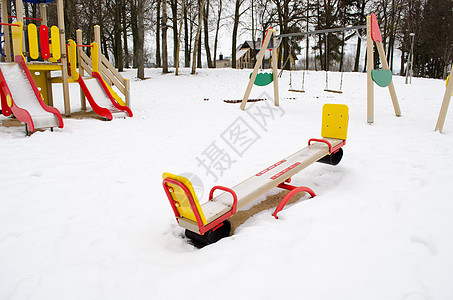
44	40
285	170
375	31
270	168
4	90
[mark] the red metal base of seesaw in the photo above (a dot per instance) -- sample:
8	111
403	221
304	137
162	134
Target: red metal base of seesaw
293	191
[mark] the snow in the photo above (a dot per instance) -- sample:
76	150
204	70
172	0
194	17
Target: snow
83	214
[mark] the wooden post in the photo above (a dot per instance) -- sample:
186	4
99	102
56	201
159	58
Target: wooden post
391	87
7	43
64	58
20	18
128	92
257	67
275	72
369	67
445	103
43	13
83	103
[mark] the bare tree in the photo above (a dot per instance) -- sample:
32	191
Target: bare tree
140	39
237	15
197	38
164	37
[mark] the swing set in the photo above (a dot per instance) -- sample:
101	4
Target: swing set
382	77
325	32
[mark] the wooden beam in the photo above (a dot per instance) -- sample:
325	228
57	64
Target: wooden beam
7	43
275	73
369	67
391	87
445	103
64	58
257	67
79	39
43	13
20	18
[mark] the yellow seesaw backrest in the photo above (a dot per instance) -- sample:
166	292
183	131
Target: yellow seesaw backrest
182	202
335	121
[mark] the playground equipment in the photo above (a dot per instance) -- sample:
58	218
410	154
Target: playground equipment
292	88
207	223
44	57
327	88
20	96
273	47
383	77
37	46
445	103
380	77
105	104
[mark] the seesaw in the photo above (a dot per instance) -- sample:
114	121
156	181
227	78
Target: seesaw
208	222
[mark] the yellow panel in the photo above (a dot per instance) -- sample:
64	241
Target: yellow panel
33	41
40	78
335	121
72	54
44	67
183	204
95	57
55	46
17	32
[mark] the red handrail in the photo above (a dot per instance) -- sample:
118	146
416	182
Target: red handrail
321	141
235	197
10	24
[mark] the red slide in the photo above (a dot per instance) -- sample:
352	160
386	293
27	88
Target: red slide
100	98
18	87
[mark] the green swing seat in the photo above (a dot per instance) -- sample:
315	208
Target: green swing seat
263	79
381	77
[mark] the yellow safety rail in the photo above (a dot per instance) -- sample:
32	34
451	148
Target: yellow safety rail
72	57
33	41
16	32
55	39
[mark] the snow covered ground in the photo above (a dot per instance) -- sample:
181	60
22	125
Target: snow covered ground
83	214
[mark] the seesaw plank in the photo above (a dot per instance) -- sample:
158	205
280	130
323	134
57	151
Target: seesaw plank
262	182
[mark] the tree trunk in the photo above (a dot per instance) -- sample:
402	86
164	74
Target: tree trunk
158	20
118	47
186	39
237	15
178	41
219	15
135	35
125	43
206	36
164	38
197	39
140	39
174	13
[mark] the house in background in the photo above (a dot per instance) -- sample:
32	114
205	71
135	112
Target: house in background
246	55
223	62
